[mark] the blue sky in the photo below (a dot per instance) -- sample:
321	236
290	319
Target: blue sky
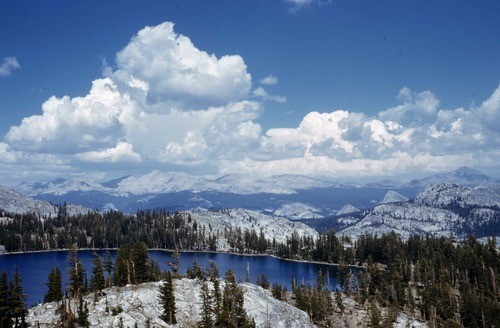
359	89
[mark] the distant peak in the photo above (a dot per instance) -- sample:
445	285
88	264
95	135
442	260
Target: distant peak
347	209
393	197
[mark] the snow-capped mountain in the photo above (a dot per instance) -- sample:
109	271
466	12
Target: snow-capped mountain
282	193
58	187
393	197
161	182
464	176
140	303
347	209
272	227
179	191
445	195
297	210
15	202
439	210
157	182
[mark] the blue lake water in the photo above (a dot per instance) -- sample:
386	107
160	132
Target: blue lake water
35	267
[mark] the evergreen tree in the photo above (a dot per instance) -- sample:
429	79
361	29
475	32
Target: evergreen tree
17	297
195	272
213	274
97	279
278	292
207	308
339	302
212	271
343	276
167	300
175	263
76	274
139	260
233	313
262	281
83	312
108	267
5	307
374	316
123	266
54	284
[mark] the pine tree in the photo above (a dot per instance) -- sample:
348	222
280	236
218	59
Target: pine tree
54	284
76	274
5	307
233	313
374	316
343	276
107	264
212	271
213	274
139	258
339	302
207	308
195	272
123	266
167	300
83	312
278	292
175	263
16	300
262	281
97	279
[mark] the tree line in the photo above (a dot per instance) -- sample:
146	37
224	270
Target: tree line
13	309
446	281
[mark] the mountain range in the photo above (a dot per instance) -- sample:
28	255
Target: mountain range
440	209
291	196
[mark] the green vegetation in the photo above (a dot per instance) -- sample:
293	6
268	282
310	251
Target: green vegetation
54	284
449	283
13	309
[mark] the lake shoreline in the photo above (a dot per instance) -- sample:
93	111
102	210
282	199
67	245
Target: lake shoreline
188	251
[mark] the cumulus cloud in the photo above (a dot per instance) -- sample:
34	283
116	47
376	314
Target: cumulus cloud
226	132
168	103
71	125
400	164
123	152
169	68
342	143
269	80
9	65
262	93
417	108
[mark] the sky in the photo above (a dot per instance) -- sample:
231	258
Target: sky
341	90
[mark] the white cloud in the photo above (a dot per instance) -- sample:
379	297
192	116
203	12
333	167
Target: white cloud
298	4
219	132
418	108
9	65
7	155
123	152
71	125
343	143
159	110
269	80
262	93
178	73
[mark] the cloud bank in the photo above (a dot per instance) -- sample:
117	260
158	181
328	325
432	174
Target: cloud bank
168	104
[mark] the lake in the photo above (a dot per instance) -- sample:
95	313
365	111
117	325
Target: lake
35	267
